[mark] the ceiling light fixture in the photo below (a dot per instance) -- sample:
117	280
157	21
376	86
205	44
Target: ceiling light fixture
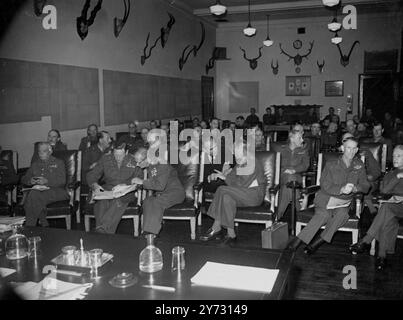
249	31
218	9
330	3
268	42
337	39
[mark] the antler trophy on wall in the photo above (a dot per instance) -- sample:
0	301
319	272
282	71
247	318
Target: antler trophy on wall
118	23
345	59
297	44
38	7
274	67
320	65
82	22
252	62
183	59
163	37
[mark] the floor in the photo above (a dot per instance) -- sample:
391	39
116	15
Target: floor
319	276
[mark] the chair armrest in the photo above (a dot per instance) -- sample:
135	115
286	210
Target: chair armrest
198	186
294	185
310	190
74	185
274	189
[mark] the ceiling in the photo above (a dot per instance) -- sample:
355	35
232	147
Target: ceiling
237	10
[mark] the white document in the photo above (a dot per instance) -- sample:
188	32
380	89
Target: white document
236	277
254	184
5	272
337	203
7	222
37	187
52	289
394	199
117	191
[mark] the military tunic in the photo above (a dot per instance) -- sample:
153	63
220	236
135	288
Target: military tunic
239	191
108	213
87	142
385	226
163	179
297	159
90	156
335	175
133	143
54	171
374	172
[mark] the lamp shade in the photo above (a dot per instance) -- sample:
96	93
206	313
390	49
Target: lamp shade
249	31
268	42
334	26
218	9
330	3
337	39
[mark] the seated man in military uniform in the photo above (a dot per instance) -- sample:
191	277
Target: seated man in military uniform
91	138
339	180
115	168
163	180
94	153
385	226
294	161
49	172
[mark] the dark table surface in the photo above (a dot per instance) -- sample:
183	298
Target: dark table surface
126	251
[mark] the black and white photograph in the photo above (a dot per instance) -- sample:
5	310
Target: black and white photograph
198	155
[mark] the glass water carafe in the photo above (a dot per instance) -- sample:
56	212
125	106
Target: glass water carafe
151	257
16	245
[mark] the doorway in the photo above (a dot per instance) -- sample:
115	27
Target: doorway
380	92
207	93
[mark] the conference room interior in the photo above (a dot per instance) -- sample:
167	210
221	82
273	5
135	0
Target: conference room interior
166	60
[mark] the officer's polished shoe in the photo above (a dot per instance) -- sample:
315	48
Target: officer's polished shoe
210	234
294	244
380	263
228	241
359	247
311	248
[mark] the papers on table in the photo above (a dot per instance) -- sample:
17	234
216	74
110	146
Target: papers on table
394	199
337	203
37	187
236	277
5	272
7	222
51	288
116	192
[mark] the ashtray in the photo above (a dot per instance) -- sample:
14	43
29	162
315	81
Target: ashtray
123	280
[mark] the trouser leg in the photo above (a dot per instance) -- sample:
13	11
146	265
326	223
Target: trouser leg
338	219
153	211
320	218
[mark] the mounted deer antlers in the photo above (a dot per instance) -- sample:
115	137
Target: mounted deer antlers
38	7
165	31
320	66
163	37
118	23
183	59
252	62
82	22
274	67
298	58
345	59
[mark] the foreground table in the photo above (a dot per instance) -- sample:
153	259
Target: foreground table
126	251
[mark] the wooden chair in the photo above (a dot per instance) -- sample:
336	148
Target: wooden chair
11	190
307	211
64	209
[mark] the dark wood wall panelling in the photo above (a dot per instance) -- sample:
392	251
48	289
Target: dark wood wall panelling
145	97
30	90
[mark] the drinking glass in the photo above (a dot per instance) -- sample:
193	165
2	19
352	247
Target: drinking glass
178	258
34	246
